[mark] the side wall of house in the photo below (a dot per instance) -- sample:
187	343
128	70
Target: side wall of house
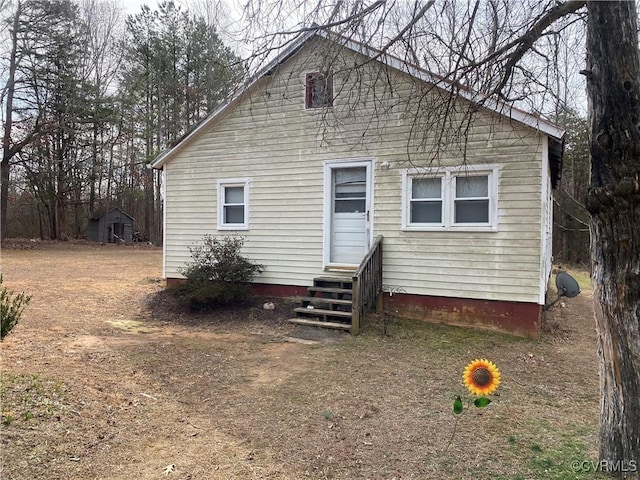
546	259
269	139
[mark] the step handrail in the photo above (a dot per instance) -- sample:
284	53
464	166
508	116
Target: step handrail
367	285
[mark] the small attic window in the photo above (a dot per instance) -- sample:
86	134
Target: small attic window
319	90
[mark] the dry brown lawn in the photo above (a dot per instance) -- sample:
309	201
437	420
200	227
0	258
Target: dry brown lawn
106	378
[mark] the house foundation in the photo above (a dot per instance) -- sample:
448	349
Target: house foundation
515	318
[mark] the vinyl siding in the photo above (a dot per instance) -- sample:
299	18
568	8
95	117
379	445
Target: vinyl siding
269	138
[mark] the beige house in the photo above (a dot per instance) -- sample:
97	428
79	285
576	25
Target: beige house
334	146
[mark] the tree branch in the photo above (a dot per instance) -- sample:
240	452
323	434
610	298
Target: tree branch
526	41
326	26
421	13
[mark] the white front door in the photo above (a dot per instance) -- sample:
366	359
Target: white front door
347	231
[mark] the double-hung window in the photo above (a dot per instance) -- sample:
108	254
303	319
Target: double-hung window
425	200
471	199
460	198
233	204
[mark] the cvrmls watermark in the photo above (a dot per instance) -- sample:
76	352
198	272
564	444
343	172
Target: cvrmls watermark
607	466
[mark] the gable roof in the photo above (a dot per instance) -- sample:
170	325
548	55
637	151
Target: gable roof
110	213
553	131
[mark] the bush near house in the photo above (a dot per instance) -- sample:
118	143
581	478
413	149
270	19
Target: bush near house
11	306
219	275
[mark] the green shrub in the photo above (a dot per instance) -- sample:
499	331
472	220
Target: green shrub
219	275
11	306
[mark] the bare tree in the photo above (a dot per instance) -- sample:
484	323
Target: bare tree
8	147
506	52
28	126
570	217
104	22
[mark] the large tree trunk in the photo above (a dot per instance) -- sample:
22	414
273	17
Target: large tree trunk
613	78
4	196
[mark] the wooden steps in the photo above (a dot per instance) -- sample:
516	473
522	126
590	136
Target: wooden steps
347	291
328	304
335	301
320	323
325	314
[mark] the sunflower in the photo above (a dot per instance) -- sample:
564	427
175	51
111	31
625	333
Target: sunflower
481	377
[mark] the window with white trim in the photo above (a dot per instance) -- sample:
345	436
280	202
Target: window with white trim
233	204
463	198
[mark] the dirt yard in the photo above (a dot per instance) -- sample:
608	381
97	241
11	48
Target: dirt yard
106	378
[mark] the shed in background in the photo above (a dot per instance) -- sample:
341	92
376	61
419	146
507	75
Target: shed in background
115	226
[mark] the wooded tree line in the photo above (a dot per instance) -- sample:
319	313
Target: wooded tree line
570	215
90	98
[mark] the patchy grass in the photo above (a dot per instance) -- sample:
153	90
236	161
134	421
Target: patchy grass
27	398
583	277
132	326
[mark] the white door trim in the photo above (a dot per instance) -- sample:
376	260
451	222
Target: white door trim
329	165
